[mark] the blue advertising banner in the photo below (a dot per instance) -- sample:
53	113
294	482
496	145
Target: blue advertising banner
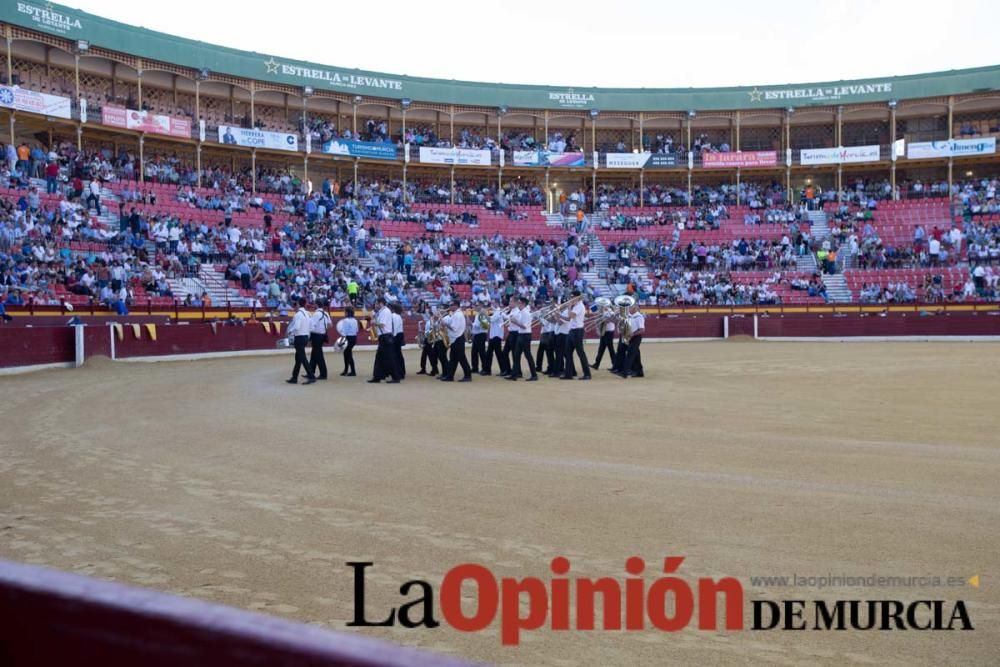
351	148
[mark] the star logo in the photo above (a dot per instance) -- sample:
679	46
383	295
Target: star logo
272	65
755	95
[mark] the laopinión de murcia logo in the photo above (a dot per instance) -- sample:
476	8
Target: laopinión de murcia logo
631	604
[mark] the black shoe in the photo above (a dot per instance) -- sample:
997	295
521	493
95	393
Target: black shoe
350	375
310	381
447	379
321	377
485	373
533	378
374	381
466	379
566	377
392	381
343	374
511	378
585	377
292	381
421	372
594	366
638	375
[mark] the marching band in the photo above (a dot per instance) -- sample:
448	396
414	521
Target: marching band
442	338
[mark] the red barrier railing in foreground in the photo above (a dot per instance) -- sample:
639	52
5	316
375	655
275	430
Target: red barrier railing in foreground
48	617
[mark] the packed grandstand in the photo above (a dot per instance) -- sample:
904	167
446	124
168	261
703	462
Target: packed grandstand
135	181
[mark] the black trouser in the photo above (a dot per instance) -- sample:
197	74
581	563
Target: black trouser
509	346
349	355
633	357
495	349
574	343
523	347
618	360
558	354
400	341
441	352
607	343
386	363
458	358
97	202
478	352
245	280
316	359
428	353
544	347
301	362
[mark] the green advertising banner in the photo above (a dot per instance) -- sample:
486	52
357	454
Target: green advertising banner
74	24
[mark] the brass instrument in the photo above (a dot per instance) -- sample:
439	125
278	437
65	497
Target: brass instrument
484	319
549	312
624	302
598	318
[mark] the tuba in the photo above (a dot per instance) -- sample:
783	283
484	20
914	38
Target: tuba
624	302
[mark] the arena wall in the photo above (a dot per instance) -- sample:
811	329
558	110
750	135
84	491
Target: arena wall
44	345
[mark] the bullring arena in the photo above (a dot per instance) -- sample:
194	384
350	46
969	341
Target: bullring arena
794	462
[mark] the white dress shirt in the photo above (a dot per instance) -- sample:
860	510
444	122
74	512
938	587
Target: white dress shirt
515	319
524	320
383	320
397	324
455	324
347	327
319	322
609	323
562	327
638	321
577	313
496	324
299	326
477	326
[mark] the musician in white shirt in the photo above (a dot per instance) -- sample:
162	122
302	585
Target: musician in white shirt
348	328
607	337
398	338
478	342
632	365
521	319
560	340
510	343
455	323
428	350
298	332
574	341
319	322
385	356
497	320
544	357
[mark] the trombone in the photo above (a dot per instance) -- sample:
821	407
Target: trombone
549	312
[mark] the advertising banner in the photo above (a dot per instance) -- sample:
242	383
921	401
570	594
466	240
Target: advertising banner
841	155
22	99
626	160
242	136
662	160
143	121
459	156
548	159
951	148
739	159
369	149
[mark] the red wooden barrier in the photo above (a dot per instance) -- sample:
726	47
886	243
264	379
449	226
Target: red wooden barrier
48	617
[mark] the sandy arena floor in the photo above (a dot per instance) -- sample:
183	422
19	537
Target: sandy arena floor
216	480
